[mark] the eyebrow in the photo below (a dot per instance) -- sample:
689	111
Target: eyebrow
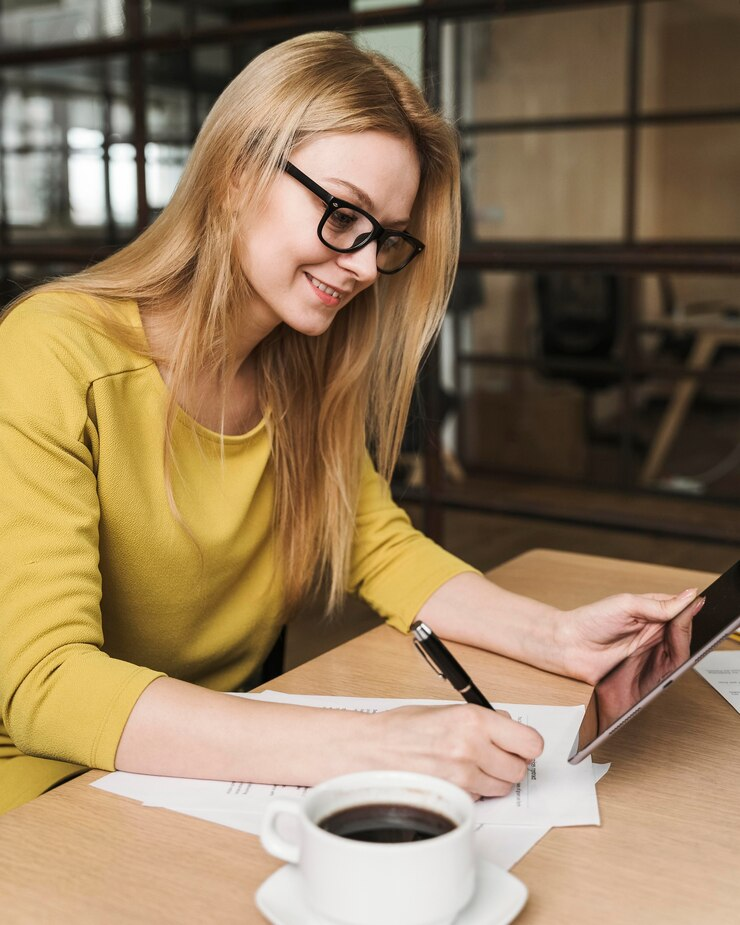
365	200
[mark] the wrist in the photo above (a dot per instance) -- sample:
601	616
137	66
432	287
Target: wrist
351	741
548	640
570	651
562	644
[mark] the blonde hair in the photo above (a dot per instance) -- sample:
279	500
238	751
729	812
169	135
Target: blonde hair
325	398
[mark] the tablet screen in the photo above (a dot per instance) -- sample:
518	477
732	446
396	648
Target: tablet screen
676	646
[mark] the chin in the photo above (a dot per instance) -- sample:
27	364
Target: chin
312	327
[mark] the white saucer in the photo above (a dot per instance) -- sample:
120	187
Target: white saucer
498	899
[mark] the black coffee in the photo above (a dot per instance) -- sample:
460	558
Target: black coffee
387	822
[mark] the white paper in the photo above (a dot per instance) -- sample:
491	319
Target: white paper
504	845
553	793
600	770
722	671
186	793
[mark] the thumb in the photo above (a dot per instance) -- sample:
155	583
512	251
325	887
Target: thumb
662	607
659	597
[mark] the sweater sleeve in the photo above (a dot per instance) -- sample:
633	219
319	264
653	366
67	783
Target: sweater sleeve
394	567
61	696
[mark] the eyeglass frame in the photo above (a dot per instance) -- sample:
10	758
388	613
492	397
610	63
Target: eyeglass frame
333	203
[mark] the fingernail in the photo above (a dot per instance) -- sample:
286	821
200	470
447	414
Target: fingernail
689	592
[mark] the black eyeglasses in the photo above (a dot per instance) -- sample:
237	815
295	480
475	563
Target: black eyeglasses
345	227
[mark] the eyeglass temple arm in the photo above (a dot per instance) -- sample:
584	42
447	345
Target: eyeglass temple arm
317	190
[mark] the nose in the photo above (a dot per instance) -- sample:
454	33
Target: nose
362	263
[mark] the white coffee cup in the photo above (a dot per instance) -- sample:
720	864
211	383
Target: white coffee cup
372	883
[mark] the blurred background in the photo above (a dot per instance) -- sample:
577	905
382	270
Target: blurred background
584	392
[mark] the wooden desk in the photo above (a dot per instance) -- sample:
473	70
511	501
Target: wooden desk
666	852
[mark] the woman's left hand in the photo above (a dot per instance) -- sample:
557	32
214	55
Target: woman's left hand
597	636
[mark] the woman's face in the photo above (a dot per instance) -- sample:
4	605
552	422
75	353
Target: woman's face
280	251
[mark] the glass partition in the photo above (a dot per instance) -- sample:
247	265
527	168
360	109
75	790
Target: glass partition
38	23
547	185
61	124
600	147
685	175
551	64
690	55
572	375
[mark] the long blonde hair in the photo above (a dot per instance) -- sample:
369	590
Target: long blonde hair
325	398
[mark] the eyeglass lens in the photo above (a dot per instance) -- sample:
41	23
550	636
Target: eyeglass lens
346	230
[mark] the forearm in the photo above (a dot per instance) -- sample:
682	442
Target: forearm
181	730
473	610
178	729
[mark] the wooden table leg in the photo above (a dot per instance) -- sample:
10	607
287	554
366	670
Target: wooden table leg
701	355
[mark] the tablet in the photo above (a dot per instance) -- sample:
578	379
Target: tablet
644	674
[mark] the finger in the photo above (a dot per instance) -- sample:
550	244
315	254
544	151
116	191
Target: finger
474	778
686	617
485	785
516	738
660	611
503	765
659	597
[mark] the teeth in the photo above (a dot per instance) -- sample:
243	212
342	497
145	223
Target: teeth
324	288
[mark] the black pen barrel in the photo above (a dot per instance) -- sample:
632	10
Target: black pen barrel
445	664
473	695
455	673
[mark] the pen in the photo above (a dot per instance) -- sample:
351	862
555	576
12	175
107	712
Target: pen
441	660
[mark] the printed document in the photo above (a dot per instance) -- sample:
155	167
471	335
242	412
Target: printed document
504	845
722	670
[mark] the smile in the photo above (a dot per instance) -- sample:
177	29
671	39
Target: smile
323	287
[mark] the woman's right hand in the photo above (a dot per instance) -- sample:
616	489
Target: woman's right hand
482	751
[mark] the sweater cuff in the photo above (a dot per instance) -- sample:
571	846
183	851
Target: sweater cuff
111	728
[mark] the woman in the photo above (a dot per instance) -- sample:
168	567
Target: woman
183	443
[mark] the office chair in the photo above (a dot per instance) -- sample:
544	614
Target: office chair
580	318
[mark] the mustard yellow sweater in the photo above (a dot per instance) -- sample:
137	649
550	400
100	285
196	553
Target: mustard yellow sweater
101	591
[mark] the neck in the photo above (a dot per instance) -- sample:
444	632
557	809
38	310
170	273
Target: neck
204	397
161	323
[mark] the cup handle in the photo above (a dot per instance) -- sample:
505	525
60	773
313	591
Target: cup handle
272	842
